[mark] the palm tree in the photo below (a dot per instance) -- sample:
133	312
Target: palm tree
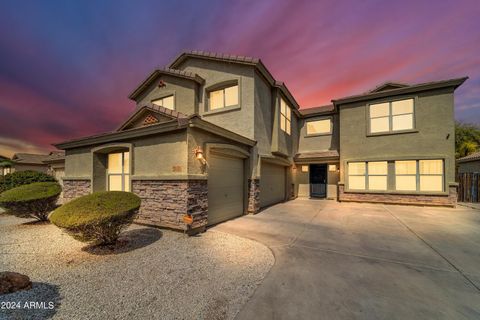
466	148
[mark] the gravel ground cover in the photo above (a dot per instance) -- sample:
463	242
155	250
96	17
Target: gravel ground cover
151	274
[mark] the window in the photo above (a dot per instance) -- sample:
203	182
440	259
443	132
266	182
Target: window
406	175
319	127
367	175
119	171
285	117
377	173
222	98
422	175
166	102
391	116
7	170
356	175
431	175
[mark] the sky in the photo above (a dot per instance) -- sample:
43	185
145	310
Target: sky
67	67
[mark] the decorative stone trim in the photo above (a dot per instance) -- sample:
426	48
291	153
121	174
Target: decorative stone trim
253	196
449	200
166	202
75	188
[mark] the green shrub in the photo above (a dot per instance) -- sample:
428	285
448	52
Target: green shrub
98	217
20	178
35	200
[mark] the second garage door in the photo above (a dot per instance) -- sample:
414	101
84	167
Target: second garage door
225	188
272	184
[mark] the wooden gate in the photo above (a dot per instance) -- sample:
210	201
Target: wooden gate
469	187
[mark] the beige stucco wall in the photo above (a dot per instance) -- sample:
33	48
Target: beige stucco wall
434	136
183	90
238	119
152	156
318	142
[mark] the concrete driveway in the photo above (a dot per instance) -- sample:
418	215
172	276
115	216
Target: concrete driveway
363	261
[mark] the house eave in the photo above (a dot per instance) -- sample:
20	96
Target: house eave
453	83
122	135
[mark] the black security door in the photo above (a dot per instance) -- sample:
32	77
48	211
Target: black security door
318	180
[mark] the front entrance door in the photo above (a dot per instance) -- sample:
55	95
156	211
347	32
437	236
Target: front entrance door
318	180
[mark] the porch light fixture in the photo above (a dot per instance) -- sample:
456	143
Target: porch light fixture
332	167
198	152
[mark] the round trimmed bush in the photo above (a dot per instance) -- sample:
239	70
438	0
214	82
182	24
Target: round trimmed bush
98	217
35	200
20	178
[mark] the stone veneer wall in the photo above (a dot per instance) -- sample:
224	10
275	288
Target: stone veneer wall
166	202
75	188
253	195
449	200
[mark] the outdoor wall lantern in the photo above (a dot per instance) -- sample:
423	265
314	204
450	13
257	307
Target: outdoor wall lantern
198	152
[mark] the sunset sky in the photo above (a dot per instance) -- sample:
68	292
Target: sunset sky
67	67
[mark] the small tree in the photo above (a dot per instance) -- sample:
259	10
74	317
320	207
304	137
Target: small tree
35	200
467	139
99	217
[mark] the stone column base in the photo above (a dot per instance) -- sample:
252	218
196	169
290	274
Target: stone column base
253	196
449	200
166	202
74	188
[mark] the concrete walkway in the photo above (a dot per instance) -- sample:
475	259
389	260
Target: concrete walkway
362	261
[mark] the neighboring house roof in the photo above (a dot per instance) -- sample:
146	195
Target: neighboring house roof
3	157
171	114
471	157
330	154
455	83
164	127
55	157
257	63
317	110
167	71
29	158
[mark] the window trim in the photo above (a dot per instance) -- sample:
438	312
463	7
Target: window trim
289	121
366	175
390	116
391	182
122	174
222	86
166	95
318	134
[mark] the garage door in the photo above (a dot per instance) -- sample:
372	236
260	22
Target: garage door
272	184
225	188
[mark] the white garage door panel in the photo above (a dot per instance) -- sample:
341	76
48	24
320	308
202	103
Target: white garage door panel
225	188
272	184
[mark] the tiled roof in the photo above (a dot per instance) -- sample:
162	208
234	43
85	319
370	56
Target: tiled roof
217	56
317	110
471	157
29	158
182	74
320	154
385	85
402	89
55	156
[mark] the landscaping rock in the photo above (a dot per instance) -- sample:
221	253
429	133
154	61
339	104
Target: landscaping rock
13	281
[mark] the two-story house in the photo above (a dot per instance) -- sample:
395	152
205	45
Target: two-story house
215	136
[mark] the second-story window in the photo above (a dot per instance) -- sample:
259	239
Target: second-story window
285	117
166	102
391	116
223	98
315	127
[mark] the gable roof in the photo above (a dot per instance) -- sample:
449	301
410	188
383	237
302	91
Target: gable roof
471	157
455	83
310	112
245	60
29	158
388	86
171	114
167	71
